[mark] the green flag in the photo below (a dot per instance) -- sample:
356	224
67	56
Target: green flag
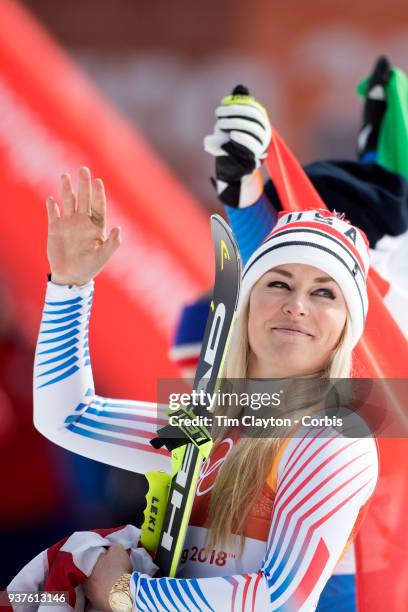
393	136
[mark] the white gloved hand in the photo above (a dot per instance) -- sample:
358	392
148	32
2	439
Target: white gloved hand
239	143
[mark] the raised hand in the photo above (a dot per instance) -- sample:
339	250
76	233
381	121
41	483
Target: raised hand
77	245
239	143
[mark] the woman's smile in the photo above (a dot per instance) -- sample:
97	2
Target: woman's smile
292	330
296	318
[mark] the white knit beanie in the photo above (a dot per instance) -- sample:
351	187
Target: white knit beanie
322	239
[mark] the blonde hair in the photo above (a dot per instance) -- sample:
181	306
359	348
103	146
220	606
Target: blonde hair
243	474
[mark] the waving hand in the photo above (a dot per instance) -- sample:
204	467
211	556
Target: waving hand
78	247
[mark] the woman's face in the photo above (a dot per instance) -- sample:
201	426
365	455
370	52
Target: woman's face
296	317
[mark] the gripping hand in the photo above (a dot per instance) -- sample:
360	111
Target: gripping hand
240	142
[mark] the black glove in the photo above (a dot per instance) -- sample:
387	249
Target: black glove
374	107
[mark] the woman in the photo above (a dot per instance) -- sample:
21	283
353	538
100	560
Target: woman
373	198
271	517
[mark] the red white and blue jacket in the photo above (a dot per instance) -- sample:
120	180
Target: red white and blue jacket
313	501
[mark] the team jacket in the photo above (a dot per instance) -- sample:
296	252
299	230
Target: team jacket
372	197
312	503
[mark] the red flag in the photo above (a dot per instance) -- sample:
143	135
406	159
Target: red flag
382	542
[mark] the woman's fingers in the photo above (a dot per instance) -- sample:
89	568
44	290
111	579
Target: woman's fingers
113	241
67	194
52	210
89	201
98	211
111	244
115	236
84	191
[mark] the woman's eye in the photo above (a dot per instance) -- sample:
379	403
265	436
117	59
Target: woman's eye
278	284
328	293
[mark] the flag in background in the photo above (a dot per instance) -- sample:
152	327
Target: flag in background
382	543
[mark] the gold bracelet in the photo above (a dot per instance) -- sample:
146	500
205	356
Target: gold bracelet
120	599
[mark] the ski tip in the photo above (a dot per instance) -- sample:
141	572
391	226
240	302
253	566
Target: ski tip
218	220
217	223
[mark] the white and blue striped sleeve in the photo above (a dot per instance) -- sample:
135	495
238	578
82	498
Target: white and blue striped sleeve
323	483
66	408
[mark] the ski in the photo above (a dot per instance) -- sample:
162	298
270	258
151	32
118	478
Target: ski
189	453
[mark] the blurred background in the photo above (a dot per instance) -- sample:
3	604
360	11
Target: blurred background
129	88
166	66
